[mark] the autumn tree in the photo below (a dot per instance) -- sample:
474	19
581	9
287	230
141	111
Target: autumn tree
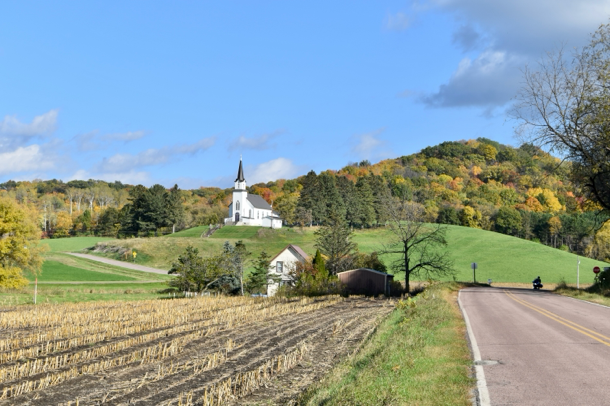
19	244
564	105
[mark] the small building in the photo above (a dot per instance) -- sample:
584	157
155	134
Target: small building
364	281
282	264
250	210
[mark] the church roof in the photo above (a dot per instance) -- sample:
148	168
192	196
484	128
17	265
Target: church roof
258	202
240	173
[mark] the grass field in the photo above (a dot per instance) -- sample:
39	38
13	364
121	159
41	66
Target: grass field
499	257
72	244
53	271
194	232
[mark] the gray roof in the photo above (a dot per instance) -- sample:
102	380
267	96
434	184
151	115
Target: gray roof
240	173
258	202
368	270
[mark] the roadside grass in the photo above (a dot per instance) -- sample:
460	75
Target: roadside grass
84	292
418	355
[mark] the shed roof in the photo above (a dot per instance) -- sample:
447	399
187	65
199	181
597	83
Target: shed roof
367	269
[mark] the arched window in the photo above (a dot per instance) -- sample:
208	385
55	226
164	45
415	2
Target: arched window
237	205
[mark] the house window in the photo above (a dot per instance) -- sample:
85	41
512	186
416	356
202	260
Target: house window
237	206
279	267
251	213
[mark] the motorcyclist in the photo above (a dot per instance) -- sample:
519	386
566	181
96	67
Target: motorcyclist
537	282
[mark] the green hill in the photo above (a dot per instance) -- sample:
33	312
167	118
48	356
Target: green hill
499	257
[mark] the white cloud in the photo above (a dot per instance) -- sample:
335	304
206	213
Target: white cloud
279	168
40	125
130	177
257	143
126	162
397	22
128	136
86	142
25	159
509	34
368	143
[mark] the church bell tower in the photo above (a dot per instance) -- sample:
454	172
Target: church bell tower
240	194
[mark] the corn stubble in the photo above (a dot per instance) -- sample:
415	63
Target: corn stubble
190	351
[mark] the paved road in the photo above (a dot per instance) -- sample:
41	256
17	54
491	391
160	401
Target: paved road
551	350
122	264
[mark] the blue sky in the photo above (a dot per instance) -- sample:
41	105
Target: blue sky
174	92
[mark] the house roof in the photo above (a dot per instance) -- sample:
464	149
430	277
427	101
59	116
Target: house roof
258	202
369	270
240	173
296	248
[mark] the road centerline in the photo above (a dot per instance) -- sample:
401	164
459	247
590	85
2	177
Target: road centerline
561	320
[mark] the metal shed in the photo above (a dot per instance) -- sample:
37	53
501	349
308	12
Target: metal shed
364	281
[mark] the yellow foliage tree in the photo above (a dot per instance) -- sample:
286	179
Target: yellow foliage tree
600	247
19	244
63	225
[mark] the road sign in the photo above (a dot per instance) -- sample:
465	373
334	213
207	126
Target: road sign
474	265
596	269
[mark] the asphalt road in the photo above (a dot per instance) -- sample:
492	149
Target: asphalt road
538	348
122	264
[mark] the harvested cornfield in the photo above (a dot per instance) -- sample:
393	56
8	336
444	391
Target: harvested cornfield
195	351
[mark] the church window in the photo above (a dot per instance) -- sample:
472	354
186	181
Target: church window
237	205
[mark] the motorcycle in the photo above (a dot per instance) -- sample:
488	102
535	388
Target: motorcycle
537	285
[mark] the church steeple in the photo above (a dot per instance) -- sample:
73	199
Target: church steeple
240	182
240	173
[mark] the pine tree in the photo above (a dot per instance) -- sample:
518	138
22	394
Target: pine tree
335	241
259	278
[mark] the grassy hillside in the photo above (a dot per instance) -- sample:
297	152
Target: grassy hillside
194	232
500	257
72	244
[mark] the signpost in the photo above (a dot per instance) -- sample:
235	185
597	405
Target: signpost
577	272
135	254
596	270
474	267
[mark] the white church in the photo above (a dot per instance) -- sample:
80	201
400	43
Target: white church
250	210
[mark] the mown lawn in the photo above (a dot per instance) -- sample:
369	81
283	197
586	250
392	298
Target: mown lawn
54	271
417	356
72	244
194	232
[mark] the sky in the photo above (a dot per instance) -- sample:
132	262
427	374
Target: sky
148	92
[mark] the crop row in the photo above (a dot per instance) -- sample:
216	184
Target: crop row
33	367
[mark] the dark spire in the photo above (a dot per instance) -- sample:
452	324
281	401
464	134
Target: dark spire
240	173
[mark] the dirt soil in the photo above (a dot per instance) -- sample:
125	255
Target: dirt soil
316	340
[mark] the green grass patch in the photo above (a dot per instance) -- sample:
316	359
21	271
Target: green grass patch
54	271
418	355
85	292
499	257
236	232
194	232
72	244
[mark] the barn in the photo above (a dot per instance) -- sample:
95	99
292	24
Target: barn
364	281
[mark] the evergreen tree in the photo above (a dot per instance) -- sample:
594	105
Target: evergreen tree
335	241
259	278
310	198
331	201
366	202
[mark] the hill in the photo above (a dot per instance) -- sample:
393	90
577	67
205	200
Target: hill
500	257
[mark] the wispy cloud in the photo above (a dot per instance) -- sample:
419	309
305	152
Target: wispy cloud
397	22
279	168
127	136
40	125
366	144
87	141
152	156
256	143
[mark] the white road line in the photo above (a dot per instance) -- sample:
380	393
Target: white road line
481	383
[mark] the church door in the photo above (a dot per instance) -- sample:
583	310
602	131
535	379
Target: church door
237	217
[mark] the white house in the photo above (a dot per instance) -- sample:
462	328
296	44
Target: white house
250	210
282	264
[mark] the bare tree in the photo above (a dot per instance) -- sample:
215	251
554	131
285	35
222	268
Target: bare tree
564	106
418	248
